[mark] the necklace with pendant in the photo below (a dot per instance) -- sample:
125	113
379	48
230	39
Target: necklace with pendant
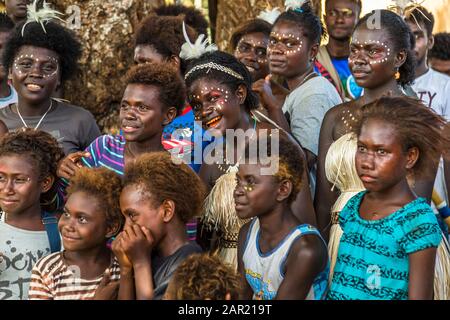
40	121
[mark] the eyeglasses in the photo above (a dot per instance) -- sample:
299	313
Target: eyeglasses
16	181
345	13
246	48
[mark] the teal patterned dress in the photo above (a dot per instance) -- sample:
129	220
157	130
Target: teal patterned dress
373	261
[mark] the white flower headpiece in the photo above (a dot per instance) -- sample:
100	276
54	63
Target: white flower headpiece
191	50
269	15
295	5
41	16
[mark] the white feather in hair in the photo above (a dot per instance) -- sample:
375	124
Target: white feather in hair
294	4
269	15
41	15
191	50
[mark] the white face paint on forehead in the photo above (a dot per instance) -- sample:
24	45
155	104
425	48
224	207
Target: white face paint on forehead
360	44
22	65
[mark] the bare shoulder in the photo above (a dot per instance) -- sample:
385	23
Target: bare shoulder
311	249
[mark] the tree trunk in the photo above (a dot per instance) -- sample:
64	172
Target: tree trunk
105	29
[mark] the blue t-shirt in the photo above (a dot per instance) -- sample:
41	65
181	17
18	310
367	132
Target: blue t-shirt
373	256
348	81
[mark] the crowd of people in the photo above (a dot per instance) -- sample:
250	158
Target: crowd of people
180	204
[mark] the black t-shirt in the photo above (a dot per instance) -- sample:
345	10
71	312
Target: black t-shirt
163	268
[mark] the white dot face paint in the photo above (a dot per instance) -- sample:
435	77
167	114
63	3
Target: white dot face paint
377	51
291	44
26	63
247	45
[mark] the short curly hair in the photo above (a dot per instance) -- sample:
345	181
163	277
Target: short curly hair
103	184
205	276
165	34
415	124
251	26
163	179
288	156
161	75
39	147
441	48
192	16
56	38
226	60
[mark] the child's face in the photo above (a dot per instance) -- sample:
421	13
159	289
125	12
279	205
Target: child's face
137	207
381	162
83	224
142	115
215	104
35	73
20	188
255	194
288	50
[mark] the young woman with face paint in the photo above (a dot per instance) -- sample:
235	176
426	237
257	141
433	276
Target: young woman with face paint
377	58
39	59
219	90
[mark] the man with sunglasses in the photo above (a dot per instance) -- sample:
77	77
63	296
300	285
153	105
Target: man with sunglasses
341	17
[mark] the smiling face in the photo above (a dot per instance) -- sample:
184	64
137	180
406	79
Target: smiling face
381	162
35	73
372	59
251	50
215	104
20	188
83	224
341	17
255	194
142	114
138	207
289	52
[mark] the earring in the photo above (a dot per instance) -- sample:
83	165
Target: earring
397	75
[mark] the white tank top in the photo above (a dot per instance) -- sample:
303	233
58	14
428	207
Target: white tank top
265	272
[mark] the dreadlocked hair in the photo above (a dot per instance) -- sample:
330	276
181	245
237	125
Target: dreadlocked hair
416	125
402	39
229	61
306	19
38	147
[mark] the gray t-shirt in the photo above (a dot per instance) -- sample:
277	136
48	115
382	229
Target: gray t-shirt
306	107
19	251
74	127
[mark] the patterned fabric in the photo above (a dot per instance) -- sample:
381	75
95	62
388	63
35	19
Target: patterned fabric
266	271
53	279
348	81
373	261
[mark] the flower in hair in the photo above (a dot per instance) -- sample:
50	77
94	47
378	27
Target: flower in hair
295	5
44	14
269	15
191	50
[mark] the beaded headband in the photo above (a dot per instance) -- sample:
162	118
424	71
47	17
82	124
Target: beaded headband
215	66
